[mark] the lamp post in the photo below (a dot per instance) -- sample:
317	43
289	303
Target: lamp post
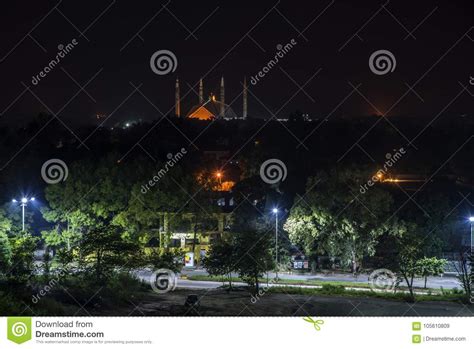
219	177
275	211
471	220
23	203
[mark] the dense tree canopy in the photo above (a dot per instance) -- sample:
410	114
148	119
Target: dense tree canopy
334	218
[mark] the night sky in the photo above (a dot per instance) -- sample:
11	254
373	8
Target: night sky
432	42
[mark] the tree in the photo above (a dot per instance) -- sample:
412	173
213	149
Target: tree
5	249
220	260
22	247
5	253
465	273
407	266
102	191
104	250
5	223
408	252
52	238
176	203
434	214
250	239
12	219
61	243
253	257
471	277
172	260
334	219
430	266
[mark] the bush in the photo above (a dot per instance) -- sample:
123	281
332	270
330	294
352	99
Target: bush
5	253
172	260
116	290
123	286
333	289
10	305
22	270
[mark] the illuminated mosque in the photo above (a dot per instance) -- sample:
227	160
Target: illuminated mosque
212	108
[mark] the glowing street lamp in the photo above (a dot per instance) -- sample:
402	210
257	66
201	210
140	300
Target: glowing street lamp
219	176
23	203
471	220
275	211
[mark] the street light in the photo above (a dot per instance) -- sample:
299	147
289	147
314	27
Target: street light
275	211
219	178
471	220
23	203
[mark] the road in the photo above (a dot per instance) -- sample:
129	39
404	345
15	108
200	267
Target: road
447	282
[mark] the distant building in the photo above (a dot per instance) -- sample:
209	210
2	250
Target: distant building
195	238
193	233
212	108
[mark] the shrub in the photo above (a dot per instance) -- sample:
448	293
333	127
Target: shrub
5	253
333	289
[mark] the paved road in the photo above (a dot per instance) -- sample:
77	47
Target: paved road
433	282
447	282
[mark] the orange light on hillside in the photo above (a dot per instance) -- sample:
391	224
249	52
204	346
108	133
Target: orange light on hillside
392	180
226	186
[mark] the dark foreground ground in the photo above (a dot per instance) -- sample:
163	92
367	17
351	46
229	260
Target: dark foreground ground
217	302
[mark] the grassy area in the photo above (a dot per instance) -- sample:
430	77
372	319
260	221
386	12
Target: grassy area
340	288
281	281
321	283
65	295
328	290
